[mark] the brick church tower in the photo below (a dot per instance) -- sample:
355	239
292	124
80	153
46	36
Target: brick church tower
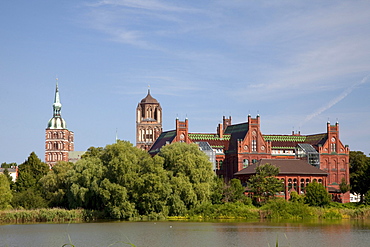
148	122
58	139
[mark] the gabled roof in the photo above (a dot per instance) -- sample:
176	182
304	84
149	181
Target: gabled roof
286	166
237	132
213	140
164	138
291	141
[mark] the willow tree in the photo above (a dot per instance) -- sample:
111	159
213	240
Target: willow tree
191	176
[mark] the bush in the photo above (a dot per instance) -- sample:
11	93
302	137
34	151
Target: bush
281	209
235	210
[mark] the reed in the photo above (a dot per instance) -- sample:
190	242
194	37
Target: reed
47	215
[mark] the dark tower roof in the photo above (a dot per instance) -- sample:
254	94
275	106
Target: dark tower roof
149	99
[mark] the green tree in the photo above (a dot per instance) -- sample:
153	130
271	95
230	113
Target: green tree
344	186
27	188
359	170
316	195
191	172
8	165
295	197
112	180
264	183
93	152
234	191
5	192
28	199
55	185
367	198
30	172
10	179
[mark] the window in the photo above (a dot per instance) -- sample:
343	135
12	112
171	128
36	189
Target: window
333	147
254	145
245	163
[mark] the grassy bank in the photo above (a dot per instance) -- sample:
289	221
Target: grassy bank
48	215
276	209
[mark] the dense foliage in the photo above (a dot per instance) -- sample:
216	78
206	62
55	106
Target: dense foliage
264	183
120	181
316	195
5	192
359	169
124	181
27	186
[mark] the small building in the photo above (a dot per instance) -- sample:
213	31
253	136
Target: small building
295	174
13	172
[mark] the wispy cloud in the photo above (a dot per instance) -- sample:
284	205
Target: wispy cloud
334	101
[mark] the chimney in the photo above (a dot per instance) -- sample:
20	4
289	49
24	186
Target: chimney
220	131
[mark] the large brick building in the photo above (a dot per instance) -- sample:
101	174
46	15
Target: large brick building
58	139
240	145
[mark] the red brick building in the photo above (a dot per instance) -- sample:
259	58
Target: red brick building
295	174
240	145
58	139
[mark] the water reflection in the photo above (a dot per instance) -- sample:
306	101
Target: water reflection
216	233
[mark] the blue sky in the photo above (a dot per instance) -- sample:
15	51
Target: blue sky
296	63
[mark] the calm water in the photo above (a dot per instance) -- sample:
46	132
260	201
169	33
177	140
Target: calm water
335	233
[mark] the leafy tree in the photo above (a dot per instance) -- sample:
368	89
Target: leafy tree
295	197
234	191
344	186
316	194
28	199
264	183
112	180
30	172
359	170
191	172
55	185
367	198
5	192
93	152
10	179
218	190
8	165
27	188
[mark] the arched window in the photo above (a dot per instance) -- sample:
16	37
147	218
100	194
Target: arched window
245	163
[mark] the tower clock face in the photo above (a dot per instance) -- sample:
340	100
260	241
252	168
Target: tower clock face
182	137
333	139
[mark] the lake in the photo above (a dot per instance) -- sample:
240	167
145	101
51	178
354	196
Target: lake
181	233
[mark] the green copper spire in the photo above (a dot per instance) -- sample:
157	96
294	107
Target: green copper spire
57	122
57	106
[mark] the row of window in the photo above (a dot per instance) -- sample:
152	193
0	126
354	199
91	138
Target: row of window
51	157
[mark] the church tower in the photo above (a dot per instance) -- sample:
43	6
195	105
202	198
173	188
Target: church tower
148	122
58	139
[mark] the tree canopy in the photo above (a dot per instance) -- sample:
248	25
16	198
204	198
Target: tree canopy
5	192
359	170
264	183
316	194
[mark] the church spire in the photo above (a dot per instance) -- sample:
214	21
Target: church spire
57	122
57	106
